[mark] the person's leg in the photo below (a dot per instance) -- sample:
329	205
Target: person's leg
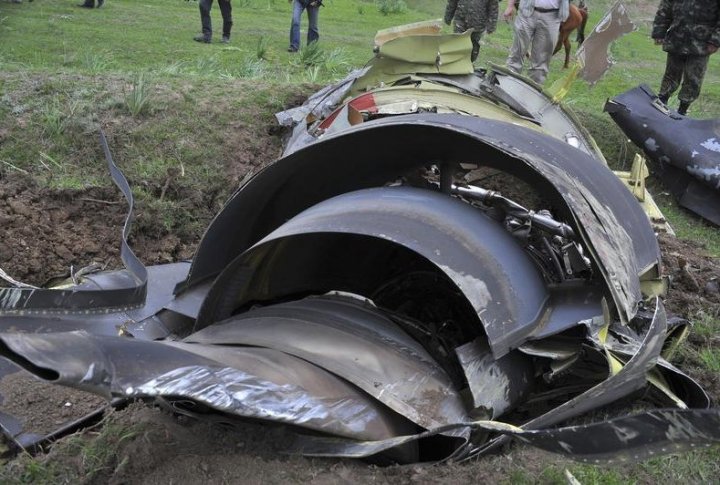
524	30
205	6
459	27
295	26
226	11
674	66
475	37
313	33
693	74
547	31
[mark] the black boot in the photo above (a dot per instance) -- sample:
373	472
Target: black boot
664	98
684	105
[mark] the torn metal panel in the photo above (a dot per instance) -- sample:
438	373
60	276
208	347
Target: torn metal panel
618	441
138	321
426	27
483	260
249	382
497	385
555	118
686	150
630	378
355	342
593	53
431	54
624	247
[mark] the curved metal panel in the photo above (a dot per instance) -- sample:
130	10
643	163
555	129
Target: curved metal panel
476	253
245	382
608	218
355	342
686	150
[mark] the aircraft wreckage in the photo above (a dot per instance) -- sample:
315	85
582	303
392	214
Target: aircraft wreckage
686	150
374	291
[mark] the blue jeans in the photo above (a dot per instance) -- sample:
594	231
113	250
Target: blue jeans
313	33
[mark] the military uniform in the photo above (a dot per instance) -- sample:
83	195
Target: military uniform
688	30
480	15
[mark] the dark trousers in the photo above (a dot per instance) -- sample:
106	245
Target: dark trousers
225	10
688	69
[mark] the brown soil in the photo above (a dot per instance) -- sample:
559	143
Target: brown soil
46	406
156	447
695	278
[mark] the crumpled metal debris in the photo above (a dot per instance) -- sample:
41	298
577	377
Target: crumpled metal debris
391	305
686	150
593	53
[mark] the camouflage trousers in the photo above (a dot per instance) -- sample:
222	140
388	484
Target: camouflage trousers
459	28
688	69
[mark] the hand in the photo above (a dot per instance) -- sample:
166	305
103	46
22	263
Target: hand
712	48
509	12
658	41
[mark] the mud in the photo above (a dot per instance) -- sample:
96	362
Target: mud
46	406
695	277
156	447
48	232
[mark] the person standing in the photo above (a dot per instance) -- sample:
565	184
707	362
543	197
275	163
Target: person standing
313	34
689	31
225	10
480	15
537	28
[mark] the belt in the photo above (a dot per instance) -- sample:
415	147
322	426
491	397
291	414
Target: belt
546	10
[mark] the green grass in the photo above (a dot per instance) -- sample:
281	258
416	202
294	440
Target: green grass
170	104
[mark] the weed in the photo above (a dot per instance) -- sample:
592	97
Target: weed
173	69
391	7
12	167
54	119
95	63
207	66
137	101
261	51
251	68
311	55
312	74
337	62
45	159
706	325
710	358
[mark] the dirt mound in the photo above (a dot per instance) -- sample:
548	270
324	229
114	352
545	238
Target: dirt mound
142	445
695	278
46	232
